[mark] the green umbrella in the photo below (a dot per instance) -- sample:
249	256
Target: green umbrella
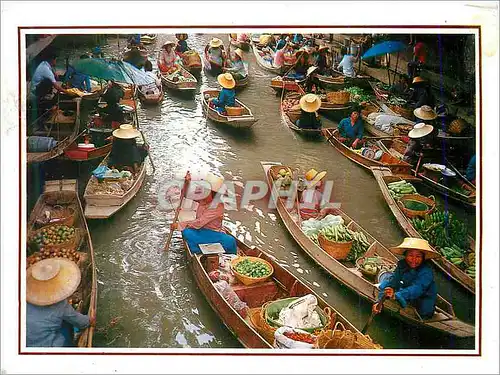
112	70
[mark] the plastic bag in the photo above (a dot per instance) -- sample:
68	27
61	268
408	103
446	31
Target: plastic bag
283	342
300	313
225	268
231	297
311	227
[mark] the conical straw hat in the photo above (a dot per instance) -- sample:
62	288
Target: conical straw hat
313	177
420	244
51	280
126	131
310	103
420	130
226	80
215	42
239	52
425	113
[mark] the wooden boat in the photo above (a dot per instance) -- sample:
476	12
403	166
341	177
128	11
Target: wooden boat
396	165
444	319
64	193
267	65
384	177
191	61
75	153
150	98
148	38
281	285
286	120
185	86
241	82
331	82
64	130
278	83
105	205
435	180
245	120
210	66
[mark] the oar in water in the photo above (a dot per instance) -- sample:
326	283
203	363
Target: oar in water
370	319
183	193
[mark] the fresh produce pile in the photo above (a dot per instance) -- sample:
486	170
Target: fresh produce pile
289	102
108	187
359	95
297	336
383	86
394	100
45	253
284	178
340	233
53	235
373	265
252	268
180	76
399	188
450	236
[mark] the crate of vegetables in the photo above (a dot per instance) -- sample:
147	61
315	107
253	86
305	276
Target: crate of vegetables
55	236
251	270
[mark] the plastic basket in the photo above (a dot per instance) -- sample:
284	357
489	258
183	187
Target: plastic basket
246	280
337	250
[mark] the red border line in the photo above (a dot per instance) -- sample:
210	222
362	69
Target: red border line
478	27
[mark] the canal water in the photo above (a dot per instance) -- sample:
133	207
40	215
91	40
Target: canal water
151	294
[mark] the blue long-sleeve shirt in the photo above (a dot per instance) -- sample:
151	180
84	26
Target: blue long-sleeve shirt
414	286
77	80
44	324
348	131
226	98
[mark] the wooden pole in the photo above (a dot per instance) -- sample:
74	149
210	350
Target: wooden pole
176	217
370	319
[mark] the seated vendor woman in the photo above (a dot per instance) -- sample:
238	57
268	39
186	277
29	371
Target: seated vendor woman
49	317
312	203
236	66
309	118
421	134
207	227
412	282
227	95
112	96
125	153
181	46
351	130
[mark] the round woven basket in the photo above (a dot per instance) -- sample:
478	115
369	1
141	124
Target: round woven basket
246	280
72	243
429	202
274	170
258	321
337	250
382	264
338	97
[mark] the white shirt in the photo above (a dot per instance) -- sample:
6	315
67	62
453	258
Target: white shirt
42	71
347	65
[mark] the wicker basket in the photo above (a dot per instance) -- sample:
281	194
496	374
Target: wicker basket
406	113
337	250
234	111
246	280
72	243
368	109
457	126
341	338
274	170
382	264
429	202
258	321
338	97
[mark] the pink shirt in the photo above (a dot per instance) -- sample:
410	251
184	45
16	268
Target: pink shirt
206	217
279	57
311	203
168	59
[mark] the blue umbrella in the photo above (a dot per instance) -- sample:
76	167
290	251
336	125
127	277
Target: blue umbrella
383	48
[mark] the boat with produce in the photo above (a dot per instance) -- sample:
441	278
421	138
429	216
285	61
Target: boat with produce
265	60
212	67
148	95
179	79
244	45
60	131
240	116
248	315
289	84
290	113
59	210
105	198
80	150
241	82
446	234
347	260
191	61
369	156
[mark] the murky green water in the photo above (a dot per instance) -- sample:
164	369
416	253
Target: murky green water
153	292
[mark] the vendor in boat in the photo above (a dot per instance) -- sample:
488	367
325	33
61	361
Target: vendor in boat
207	227
237	66
421	134
418	60
227	95
312	82
181	46
77	80
302	63
425	113
311	198
167	58
412	282
401	88
322	61
351	130
216	52
309	105
421	93
125	153
347	64
281	42
279	56
155	87
49	317
298	39
112	96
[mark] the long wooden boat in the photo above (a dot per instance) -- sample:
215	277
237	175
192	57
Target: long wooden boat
264	64
444	319
63	133
436	182
148	38
384	177
245	120
64	193
285	119
75	153
150	98
396	165
241	82
191	61
282	284
332	82
185	86
211	66
105	205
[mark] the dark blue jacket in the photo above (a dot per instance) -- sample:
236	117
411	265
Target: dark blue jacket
413	286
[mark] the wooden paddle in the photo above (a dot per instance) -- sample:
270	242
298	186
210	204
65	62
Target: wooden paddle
370	319
418	164
187	178
149	153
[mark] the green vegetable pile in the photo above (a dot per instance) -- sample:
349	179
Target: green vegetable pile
340	233
394	100
359	95
252	268
399	188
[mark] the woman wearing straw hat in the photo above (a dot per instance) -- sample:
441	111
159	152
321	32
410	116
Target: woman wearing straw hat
309	118
425	113
322	62
216	51
351	129
312	84
420	135
312	196
207	227
227	96
412	282
167	58
236	65
181	46
125	153
49	316
421	93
